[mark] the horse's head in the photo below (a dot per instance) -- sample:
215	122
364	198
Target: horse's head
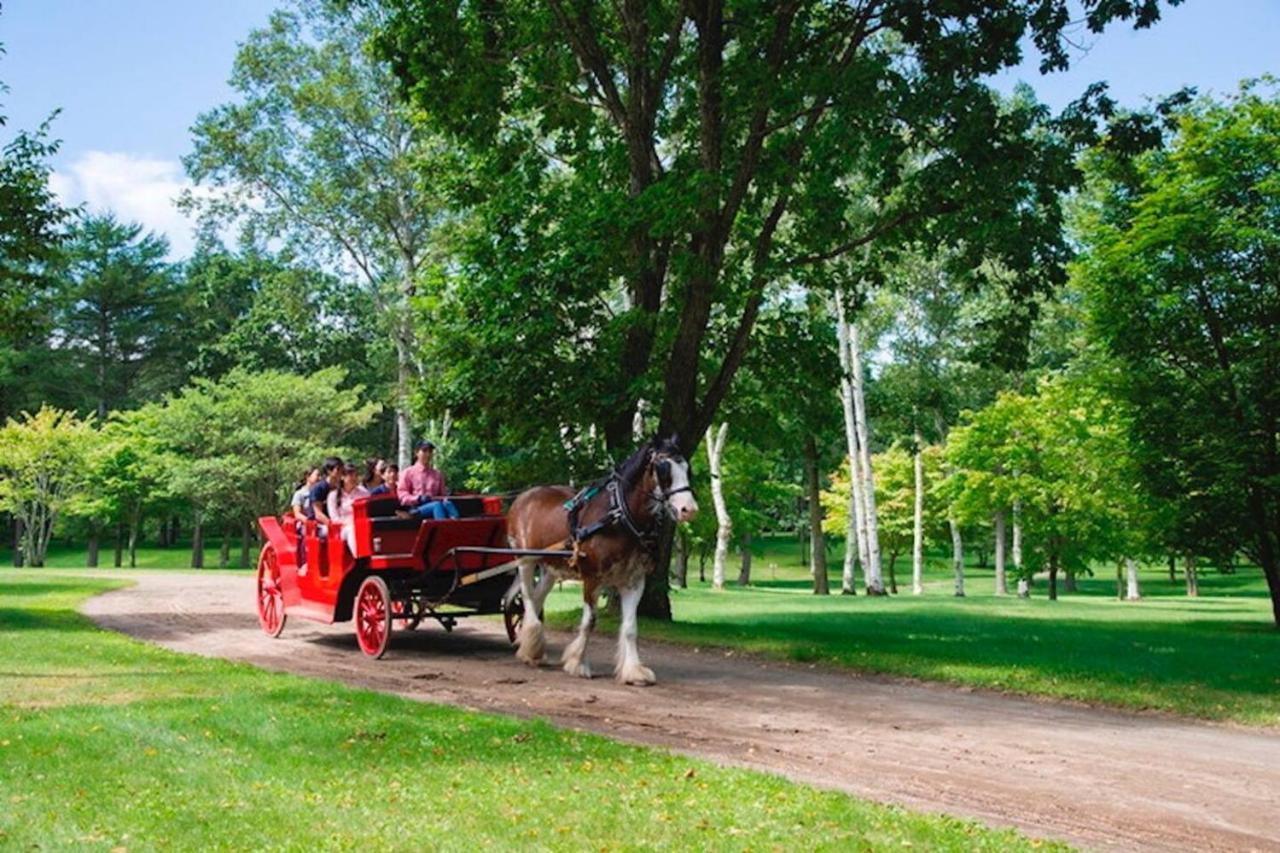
668	471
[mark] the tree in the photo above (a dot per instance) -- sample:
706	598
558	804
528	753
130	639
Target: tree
117	299
1181	255
724	524
130	474
649	171
319	151
31	230
42	472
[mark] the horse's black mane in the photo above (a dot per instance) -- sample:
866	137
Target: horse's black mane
633	465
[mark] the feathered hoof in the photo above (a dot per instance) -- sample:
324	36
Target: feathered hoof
578	668
533	644
636	675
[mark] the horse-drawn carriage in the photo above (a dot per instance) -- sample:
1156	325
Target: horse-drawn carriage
402	570
405	569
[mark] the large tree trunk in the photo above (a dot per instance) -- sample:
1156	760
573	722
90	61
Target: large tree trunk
91	556
871	571
682	560
744	570
817	547
957	556
119	555
1131	574
1173	569
224	550
197	542
724	524
917	524
1193	576
1002	581
1069	581
893	576
1053	576
855	547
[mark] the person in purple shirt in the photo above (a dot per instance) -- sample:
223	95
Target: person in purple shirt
422	489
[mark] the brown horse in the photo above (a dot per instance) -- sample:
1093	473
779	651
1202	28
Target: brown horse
612	528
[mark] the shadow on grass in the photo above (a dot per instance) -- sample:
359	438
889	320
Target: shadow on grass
35	619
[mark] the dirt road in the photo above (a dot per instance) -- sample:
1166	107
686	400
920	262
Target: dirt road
1096	778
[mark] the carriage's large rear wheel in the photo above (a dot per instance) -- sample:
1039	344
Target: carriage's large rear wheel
271	614
373	616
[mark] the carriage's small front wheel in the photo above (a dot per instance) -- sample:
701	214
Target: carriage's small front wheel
271	614
373	616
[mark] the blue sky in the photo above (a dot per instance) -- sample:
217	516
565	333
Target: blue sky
132	75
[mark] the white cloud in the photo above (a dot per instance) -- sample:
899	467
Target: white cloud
135	189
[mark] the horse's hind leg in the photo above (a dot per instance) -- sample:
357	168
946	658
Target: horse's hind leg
575	653
627	667
532	640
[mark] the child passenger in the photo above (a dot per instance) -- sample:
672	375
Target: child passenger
301	501
341	503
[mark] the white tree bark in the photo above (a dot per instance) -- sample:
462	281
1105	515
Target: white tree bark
957	556
1002	582
870	569
404	430
855	548
1131	576
724	529
1024	586
917	527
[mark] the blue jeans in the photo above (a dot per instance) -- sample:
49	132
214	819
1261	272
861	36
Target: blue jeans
436	509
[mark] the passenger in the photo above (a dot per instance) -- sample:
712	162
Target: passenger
302	495
422	488
390	480
373	473
341	503
330	476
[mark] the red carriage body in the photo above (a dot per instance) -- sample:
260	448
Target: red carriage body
402	569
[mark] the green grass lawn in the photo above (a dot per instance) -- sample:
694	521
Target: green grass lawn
1216	657
108	743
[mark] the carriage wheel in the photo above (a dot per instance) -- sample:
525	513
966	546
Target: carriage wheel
373	616
398	610
271	614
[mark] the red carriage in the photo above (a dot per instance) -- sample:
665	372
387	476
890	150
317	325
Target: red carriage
402	570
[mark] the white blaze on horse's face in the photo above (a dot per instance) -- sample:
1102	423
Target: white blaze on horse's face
682	504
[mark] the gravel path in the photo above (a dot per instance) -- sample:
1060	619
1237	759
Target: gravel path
1100	779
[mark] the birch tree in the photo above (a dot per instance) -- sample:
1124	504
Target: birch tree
724	524
319	150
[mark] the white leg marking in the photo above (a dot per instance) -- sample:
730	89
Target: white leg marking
627	668
576	650
532	640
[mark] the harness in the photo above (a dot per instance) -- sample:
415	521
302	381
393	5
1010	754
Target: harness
618	513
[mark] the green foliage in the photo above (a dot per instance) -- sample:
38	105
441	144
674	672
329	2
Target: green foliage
644	179
895	480
236	446
42	472
1181	256
1063	455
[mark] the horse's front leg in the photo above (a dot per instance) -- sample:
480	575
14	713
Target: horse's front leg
532	639
627	668
575	653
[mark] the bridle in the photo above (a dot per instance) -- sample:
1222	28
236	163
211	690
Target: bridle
619	512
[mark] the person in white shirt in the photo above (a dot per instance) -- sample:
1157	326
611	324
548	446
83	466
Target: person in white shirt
341	503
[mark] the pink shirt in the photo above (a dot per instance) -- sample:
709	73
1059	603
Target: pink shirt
417	482
342	513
